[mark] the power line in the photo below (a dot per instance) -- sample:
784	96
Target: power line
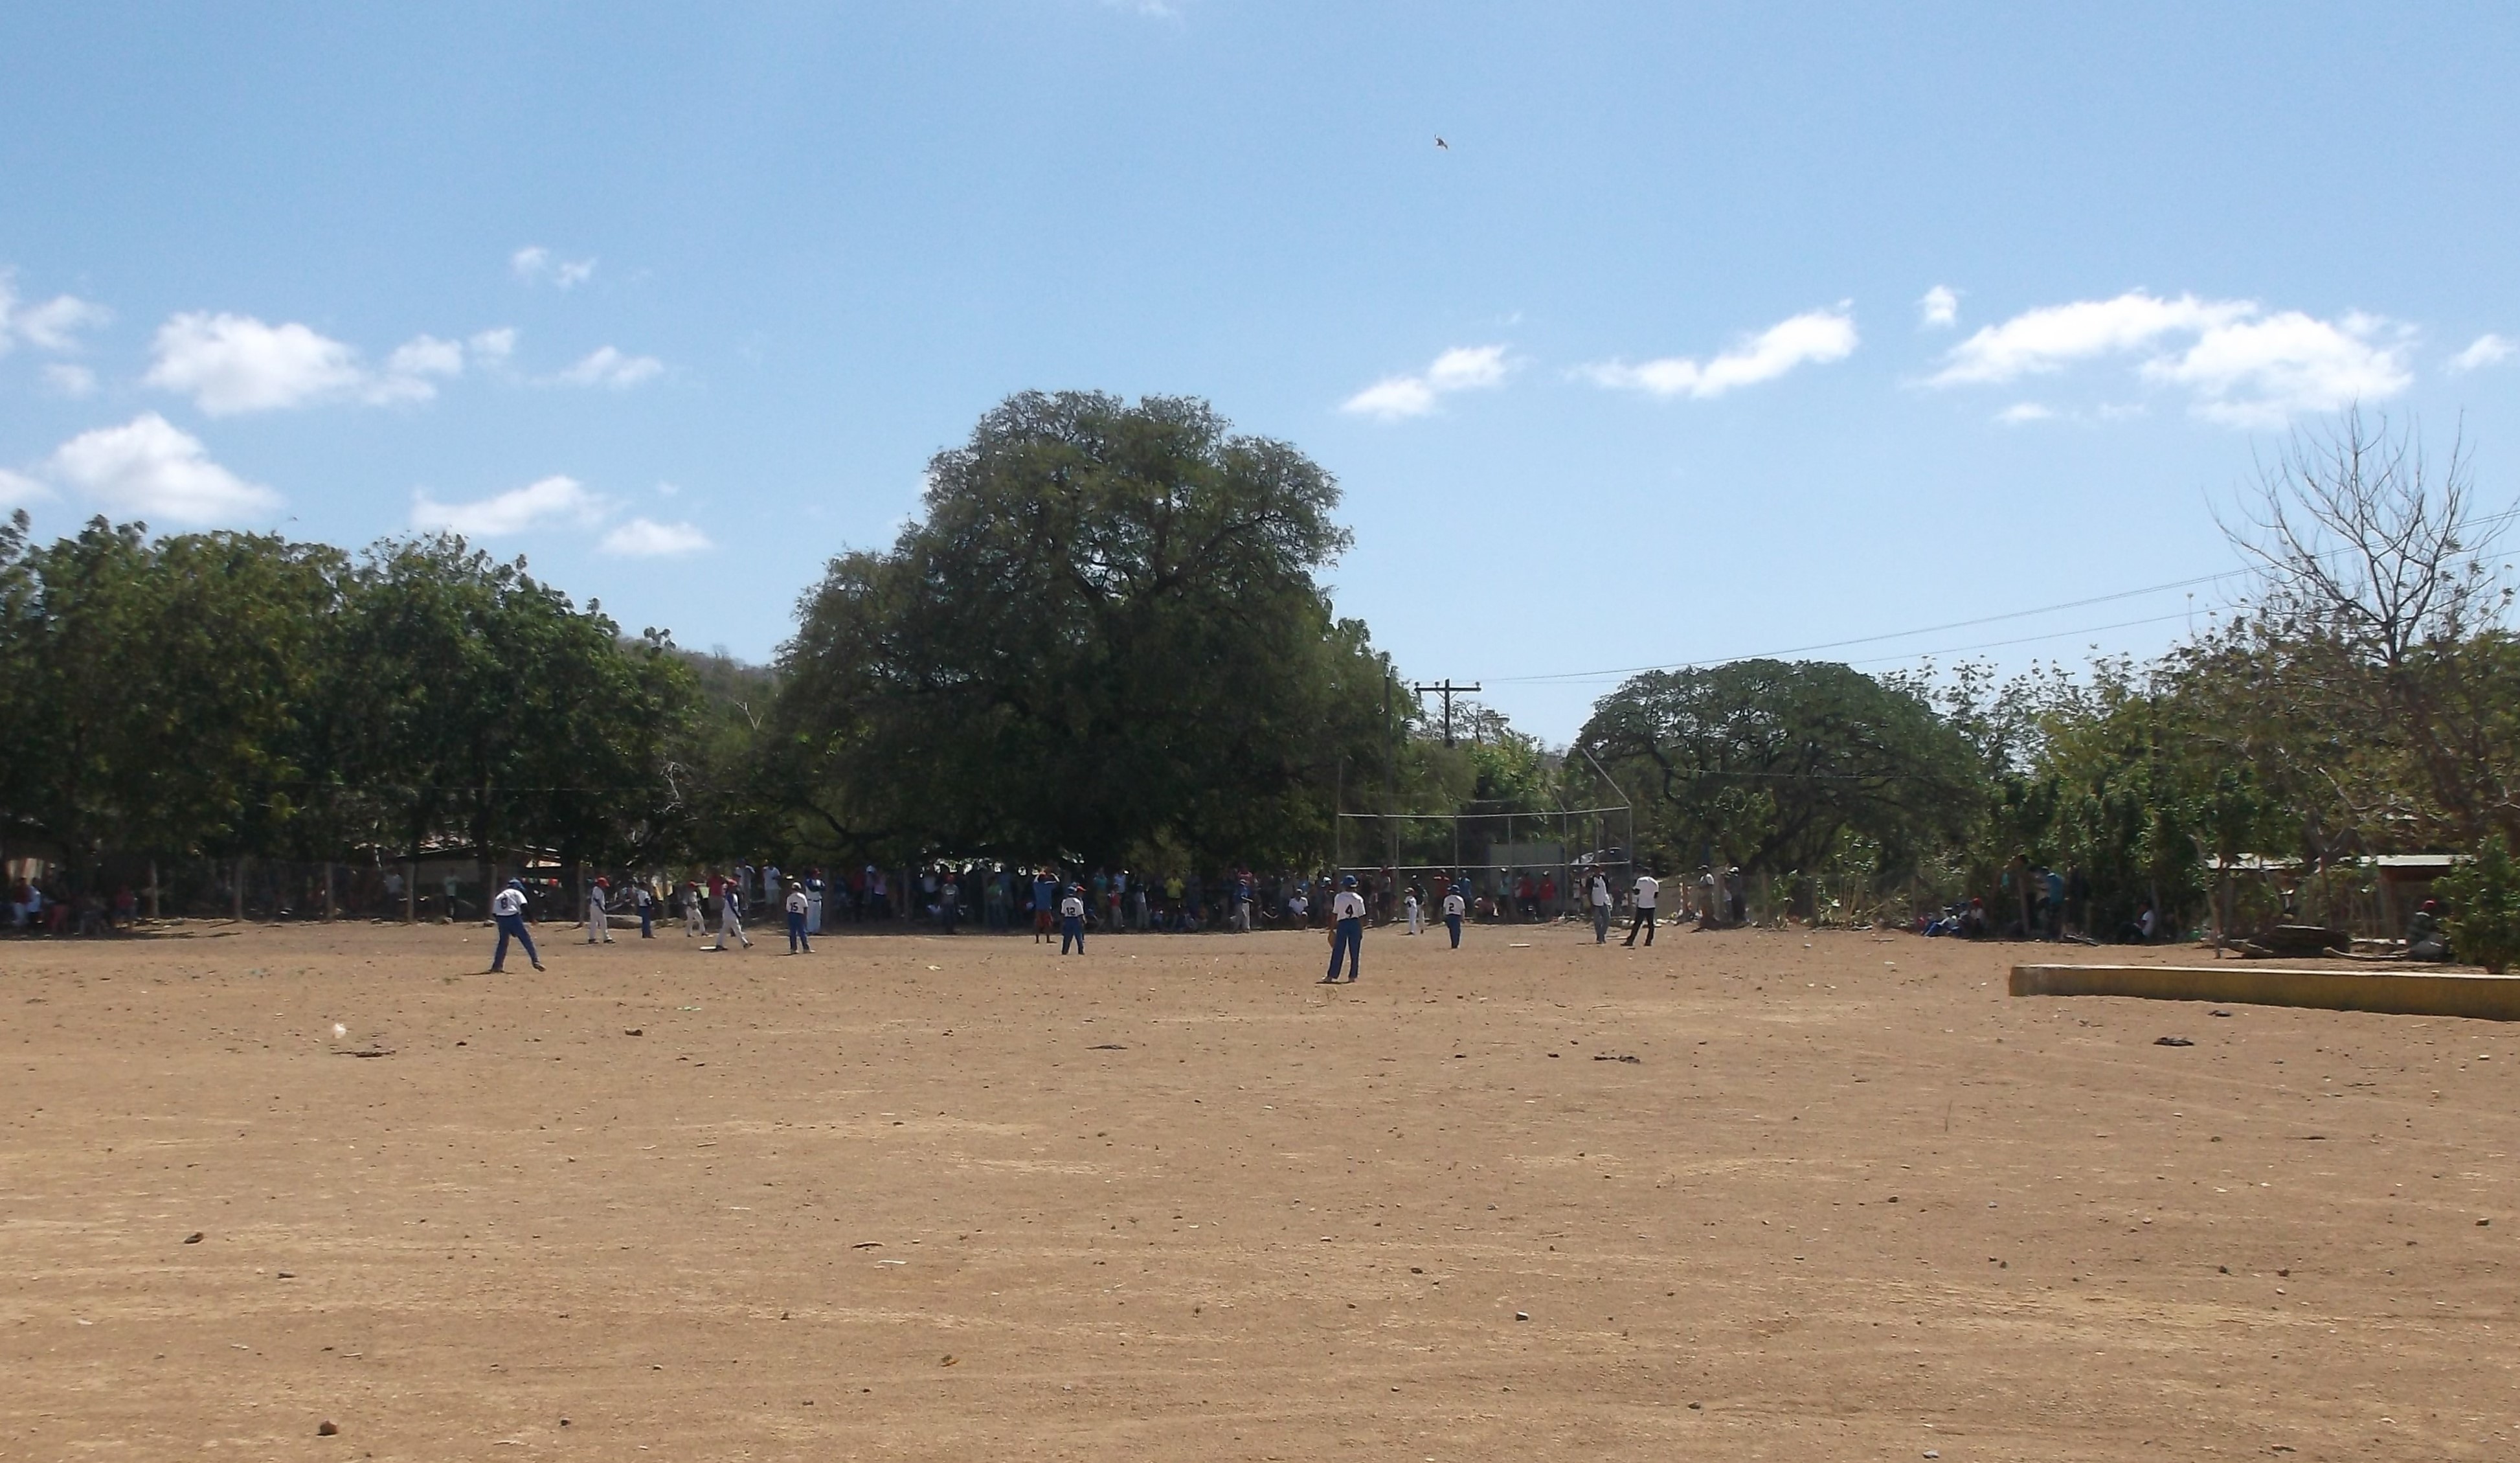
2490	520
1955	624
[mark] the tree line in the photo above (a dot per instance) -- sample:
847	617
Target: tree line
225	696
2363	699
1104	641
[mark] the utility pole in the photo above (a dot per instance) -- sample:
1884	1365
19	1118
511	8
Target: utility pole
1390	778
1448	691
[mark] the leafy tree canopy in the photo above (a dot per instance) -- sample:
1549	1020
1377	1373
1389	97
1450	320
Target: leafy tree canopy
1103	639
1780	767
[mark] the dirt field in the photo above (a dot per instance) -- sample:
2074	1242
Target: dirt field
961	1198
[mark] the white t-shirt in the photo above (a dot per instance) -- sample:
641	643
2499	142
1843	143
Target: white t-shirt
1646	889
1349	905
1454	906
1601	892
508	904
1072	908
797	903
1296	906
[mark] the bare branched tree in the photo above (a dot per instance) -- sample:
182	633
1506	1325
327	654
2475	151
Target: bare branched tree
2381	631
2358	536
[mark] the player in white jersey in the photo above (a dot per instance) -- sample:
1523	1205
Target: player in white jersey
1071	918
1644	918
1347	931
508	908
799	908
730	917
598	922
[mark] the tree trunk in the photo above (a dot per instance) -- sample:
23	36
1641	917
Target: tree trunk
332	907
152	890
236	891
481	845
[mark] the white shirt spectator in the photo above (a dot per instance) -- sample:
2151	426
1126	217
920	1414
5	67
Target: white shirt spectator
1601	892
1647	889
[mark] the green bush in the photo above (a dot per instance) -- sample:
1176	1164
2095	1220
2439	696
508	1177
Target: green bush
2484	900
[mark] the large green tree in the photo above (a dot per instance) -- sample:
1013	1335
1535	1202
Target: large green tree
1103	639
162	683
1786	767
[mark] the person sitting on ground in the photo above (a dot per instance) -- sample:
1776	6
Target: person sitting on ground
2425	937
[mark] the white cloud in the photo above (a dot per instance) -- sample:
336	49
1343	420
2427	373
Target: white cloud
2260	373
2241	365
605	366
1813	337
53	325
1462	368
646	539
65	380
150	469
235	363
426	355
535	264
2485	351
1393	397
1466	367
546	500
1940	309
2021	412
17	489
2050	336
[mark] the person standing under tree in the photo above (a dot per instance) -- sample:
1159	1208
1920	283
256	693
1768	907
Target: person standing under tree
599	923
1598	893
1071	918
1045	902
1644	918
645	897
730	917
508	908
798	907
1347	931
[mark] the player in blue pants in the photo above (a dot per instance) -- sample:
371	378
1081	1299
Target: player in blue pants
508	908
1071	920
1347	931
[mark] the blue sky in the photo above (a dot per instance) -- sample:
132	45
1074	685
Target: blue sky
1714	330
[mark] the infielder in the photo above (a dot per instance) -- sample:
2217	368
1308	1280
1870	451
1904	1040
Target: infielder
508	908
1347	931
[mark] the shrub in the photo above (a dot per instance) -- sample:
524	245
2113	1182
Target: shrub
2484	899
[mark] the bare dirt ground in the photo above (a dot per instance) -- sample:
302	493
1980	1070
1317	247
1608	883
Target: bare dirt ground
962	1199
